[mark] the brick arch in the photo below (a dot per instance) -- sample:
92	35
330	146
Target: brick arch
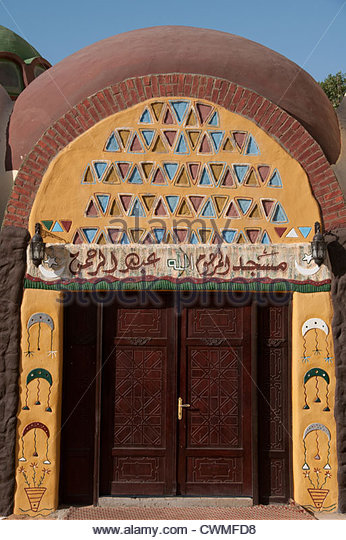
287	131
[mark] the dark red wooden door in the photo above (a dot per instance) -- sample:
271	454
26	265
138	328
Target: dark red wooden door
215	432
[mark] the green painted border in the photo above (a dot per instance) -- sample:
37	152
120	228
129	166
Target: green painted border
165	285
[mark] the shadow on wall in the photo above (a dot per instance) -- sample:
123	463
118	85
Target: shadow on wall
6	177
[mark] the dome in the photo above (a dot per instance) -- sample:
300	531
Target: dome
13	43
172	49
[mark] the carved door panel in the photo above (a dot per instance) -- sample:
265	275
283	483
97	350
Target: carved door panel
215	432
142	364
273	405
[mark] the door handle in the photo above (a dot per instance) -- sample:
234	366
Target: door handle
181	405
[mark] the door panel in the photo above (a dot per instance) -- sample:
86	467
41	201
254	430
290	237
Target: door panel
215	432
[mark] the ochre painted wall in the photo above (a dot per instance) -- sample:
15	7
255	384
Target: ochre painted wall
313	423
39	415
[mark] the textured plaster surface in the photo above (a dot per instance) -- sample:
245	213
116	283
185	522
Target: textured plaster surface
340	166
13	242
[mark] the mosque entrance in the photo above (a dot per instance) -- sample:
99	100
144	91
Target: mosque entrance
181	412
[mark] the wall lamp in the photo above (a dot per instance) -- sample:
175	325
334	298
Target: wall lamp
319	245
37	246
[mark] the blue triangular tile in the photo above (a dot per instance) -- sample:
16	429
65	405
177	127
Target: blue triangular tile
181	147
305	231
180	109
100	167
265	238
146	117
205	178
217	137
112	144
244	204
214	121
252	148
275	180
159	234
125	239
57	227
279	215
148	135
172	201
240	171
103	201
194	239
90	233
135	177
208	210
228	235
171	169
137	209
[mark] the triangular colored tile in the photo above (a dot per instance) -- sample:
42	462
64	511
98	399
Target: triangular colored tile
182	179
180	108
305	231
159	146
214	121
148	239
204	111
125	201
217	239
279	214
263	171
135	176
100	168
265	238
196	201
267	205
135	235
57	227
241	239
240	172
232	211
255	213
181	146
216	137
146	117
181	234
112	144
292	234
66	224
77	238
229	235
159	178
157	109
239	139
168	118
137	209
275	180
171	169
114	235
148	201
220	201
148	135
216	169
172	201
205	179
88	177
191	119
103	201
253	235
111	177
252	147
280	231
115	210
135	145
244	204
90	233
193	136
160	209
170	136
193	238
159	234
227	145
227	180
184	209
169	238
204	235
91	209
194	169
208	210
205	146
251	180
147	167
124	239
123	168
48	224
124	135
101	240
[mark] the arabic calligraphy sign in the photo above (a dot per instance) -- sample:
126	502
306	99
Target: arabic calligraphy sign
66	263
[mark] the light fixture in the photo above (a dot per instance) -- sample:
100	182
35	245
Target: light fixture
318	245
37	246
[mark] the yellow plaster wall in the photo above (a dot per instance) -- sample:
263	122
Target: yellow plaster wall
40	350
315	351
63	196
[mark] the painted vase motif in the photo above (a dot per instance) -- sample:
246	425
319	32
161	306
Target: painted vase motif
318	496
35	495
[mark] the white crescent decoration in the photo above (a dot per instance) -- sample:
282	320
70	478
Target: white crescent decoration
49	273
309	324
307	271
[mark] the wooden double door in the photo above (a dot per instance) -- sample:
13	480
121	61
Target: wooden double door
226	436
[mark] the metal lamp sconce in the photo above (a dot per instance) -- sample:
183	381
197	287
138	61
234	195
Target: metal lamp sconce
37	246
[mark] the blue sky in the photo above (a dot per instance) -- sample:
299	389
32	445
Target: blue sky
312	33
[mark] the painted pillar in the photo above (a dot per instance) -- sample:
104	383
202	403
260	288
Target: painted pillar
39	416
313	396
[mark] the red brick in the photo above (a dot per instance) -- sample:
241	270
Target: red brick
147	80
195	84
181	81
261	112
139	86
237	96
148	92
162	89
155	86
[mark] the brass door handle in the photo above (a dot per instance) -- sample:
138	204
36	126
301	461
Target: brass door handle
180	408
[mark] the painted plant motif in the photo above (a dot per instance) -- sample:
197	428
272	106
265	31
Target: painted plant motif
38	374
316	325
34	489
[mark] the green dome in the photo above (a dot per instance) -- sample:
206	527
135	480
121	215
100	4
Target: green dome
11	42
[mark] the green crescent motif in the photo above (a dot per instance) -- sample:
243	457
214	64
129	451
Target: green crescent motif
39	373
316	372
